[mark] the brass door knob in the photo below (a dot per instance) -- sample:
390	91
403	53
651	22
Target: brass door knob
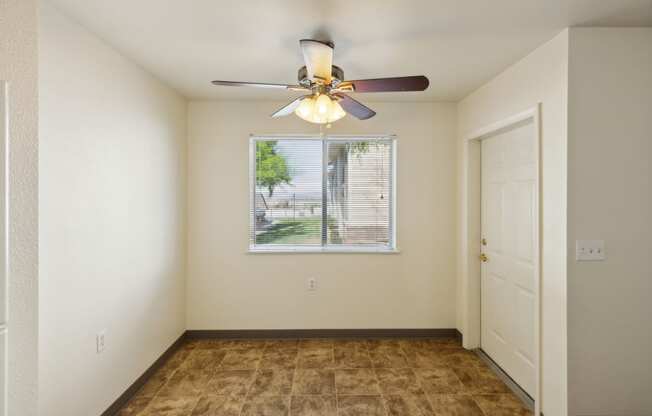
484	258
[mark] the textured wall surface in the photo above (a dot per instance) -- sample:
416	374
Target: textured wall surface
230	289
610	198
18	66
541	77
112	214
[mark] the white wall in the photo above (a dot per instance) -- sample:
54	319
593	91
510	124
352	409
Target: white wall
610	198
18	66
541	77
112	213
230	289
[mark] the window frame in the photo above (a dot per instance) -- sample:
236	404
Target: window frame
390	248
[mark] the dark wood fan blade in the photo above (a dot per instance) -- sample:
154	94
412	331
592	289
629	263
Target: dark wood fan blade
355	108
416	83
289	109
318	57
259	85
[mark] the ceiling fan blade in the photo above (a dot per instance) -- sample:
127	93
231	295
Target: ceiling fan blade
415	83
355	108
289	109
260	85
318	57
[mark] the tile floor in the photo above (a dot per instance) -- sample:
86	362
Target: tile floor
324	378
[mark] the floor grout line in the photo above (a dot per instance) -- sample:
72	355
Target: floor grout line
294	378
337	400
167	380
382	398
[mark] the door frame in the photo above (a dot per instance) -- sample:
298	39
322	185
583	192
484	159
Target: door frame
4	244
471	234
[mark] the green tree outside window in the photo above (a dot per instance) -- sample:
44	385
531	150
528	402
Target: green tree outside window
271	168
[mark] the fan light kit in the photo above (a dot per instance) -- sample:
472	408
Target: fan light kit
320	110
327	100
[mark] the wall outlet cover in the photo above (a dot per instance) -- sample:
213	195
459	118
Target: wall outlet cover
311	284
590	250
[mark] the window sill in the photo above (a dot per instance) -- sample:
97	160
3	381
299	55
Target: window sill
327	250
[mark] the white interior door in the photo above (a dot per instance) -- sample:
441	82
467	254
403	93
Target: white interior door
4	140
509	232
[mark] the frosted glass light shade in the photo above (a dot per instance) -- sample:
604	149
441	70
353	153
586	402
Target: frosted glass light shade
320	109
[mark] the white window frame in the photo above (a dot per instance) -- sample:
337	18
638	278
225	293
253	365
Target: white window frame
391	248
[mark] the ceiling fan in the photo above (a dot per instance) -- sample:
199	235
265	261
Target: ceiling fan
326	100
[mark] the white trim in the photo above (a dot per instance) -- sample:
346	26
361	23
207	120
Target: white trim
494	128
394	196
539	245
324	248
533	113
4	242
4	200
361	137
252	189
321	249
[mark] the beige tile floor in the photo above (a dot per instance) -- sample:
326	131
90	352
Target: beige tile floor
397	377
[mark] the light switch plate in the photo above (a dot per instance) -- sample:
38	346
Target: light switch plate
100	341
590	250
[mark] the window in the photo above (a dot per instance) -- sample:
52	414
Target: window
322	194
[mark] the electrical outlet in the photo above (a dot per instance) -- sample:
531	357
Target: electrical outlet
100	341
589	250
312	284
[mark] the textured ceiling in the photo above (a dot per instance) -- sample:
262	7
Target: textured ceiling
458	44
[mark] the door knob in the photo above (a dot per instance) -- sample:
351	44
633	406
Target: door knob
484	258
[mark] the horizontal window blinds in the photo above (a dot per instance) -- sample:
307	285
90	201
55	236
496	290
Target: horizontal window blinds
322	193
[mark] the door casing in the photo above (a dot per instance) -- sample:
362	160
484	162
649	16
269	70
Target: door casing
470	266
4	245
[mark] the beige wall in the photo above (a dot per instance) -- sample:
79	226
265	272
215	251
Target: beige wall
18	66
541	77
610	198
230	289
112	198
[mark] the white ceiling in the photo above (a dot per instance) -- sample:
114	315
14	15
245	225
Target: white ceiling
458	44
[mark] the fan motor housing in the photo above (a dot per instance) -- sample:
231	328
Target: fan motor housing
336	73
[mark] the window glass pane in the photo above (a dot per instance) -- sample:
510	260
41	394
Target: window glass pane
359	187
288	192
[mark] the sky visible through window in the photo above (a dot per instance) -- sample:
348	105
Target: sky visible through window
301	157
